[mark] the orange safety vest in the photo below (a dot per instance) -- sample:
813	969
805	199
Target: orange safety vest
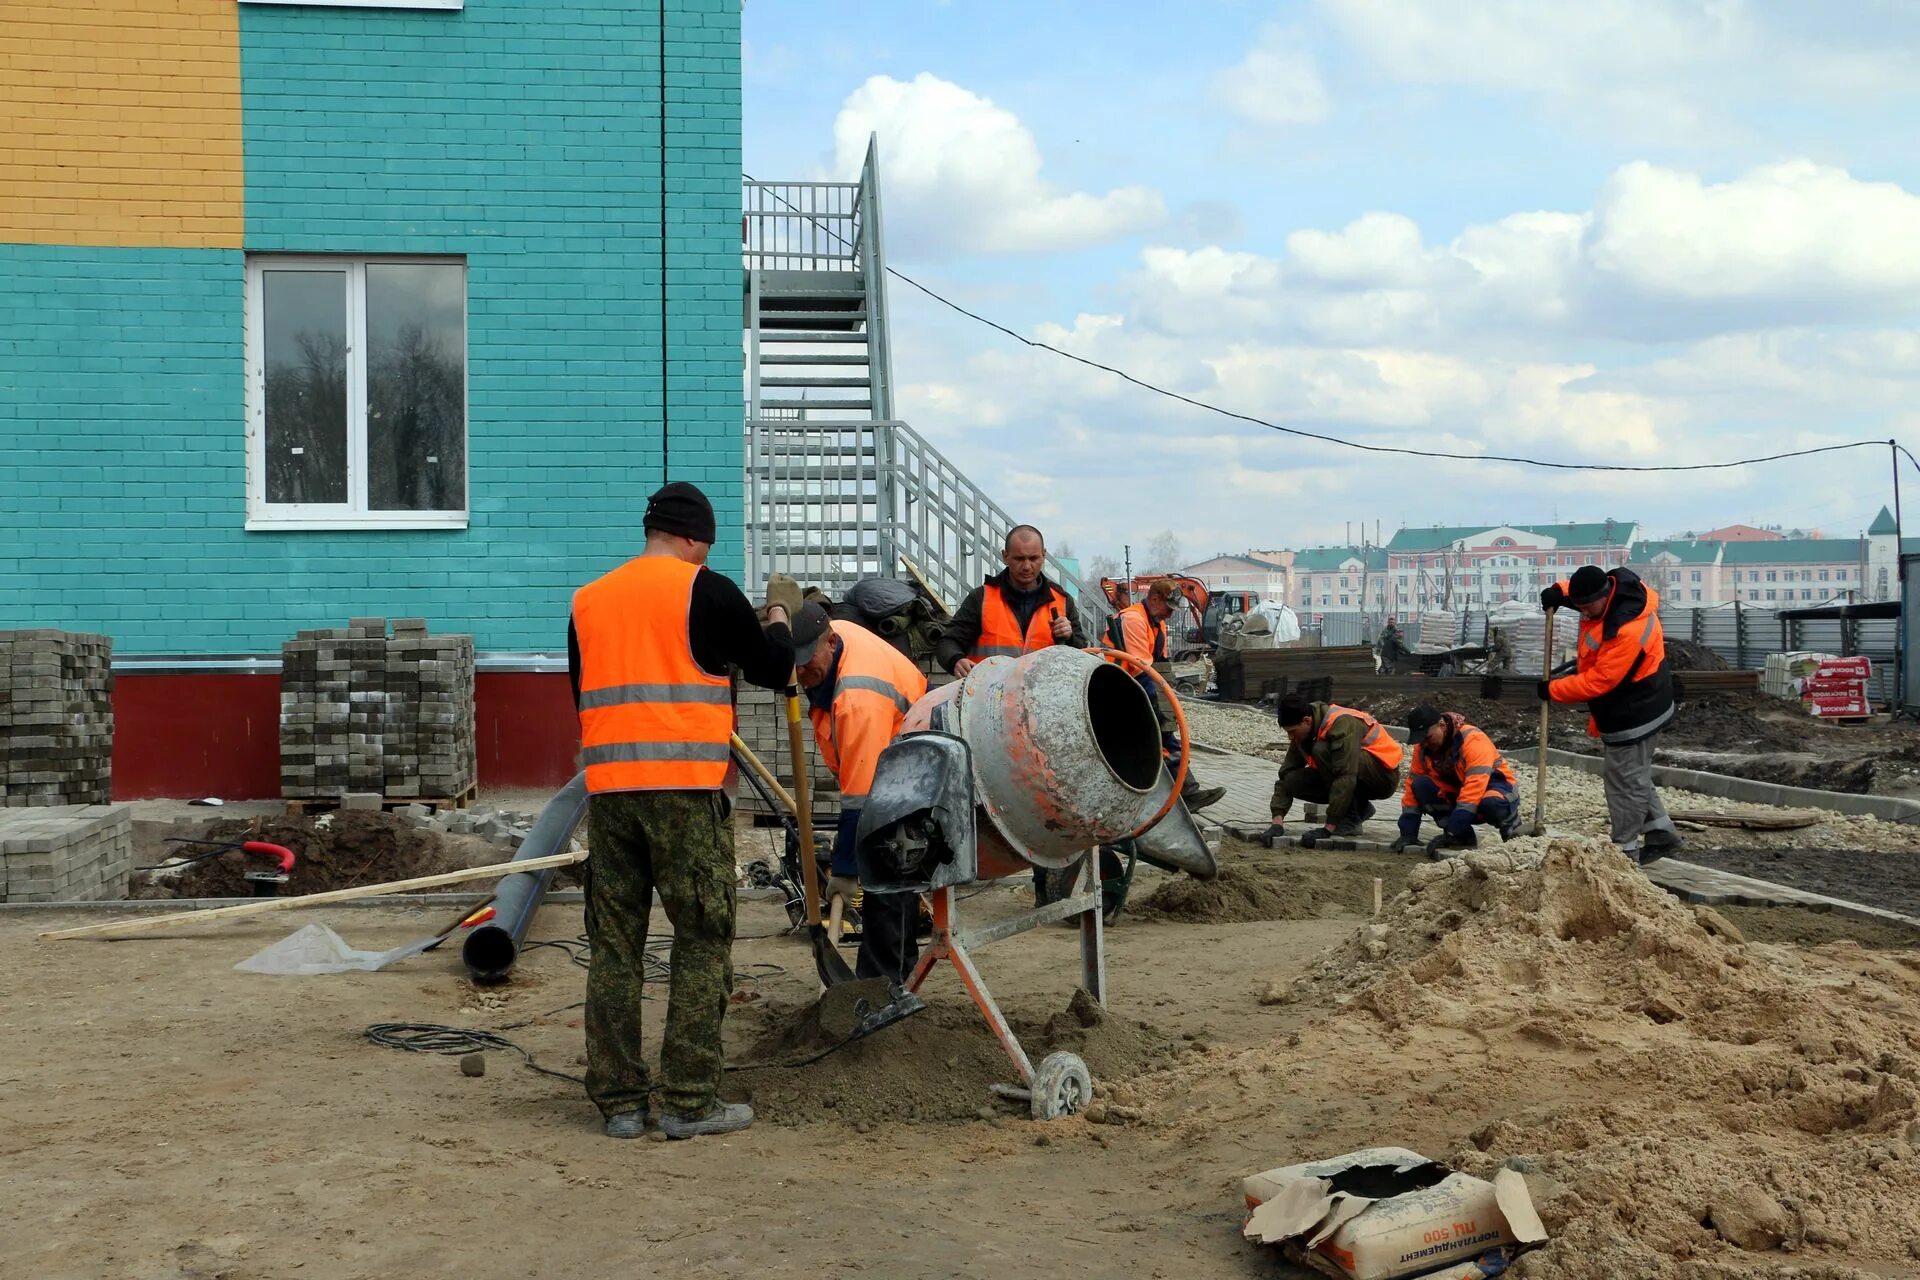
1470	768
1133	631
872	690
651	719
1622	677
1380	744
1000	634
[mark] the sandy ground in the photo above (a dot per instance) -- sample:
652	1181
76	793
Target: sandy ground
164	1116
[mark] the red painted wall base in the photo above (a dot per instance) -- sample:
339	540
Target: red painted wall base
188	735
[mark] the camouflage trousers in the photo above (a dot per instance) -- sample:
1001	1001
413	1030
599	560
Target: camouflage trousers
679	843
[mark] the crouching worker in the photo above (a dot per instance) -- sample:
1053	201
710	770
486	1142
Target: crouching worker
858	689
1459	779
1339	757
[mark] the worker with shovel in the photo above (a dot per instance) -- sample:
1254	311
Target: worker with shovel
858	690
1140	630
650	645
1339	757
1459	779
1621	674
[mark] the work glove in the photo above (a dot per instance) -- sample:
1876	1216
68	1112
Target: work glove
1543	690
784	592
1272	836
841	887
1402	843
1552	597
1437	845
1313	837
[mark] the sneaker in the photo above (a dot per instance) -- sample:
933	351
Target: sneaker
1665	842
1630	851
628	1124
721	1117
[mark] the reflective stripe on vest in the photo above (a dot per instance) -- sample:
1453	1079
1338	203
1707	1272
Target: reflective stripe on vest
650	718
875	685
1000	634
1379	744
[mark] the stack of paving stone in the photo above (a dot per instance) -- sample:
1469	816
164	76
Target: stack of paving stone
428	744
364	713
761	721
65	853
56	718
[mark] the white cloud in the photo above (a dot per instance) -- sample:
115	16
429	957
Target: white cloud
1663	254
1276	84
1795	231
1658	68
961	172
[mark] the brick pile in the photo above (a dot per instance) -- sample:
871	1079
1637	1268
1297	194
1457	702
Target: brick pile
364	712
56	718
65	853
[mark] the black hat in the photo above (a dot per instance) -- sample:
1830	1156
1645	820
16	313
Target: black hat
1589	583
809	625
1419	720
680	508
1294	708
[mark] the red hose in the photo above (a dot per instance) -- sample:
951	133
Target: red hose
280	851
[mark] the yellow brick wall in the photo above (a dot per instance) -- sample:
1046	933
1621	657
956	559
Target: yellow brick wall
122	123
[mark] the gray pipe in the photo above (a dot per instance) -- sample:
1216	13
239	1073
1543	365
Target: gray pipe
491	948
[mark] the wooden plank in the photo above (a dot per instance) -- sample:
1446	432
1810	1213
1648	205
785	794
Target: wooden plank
1752	820
150	923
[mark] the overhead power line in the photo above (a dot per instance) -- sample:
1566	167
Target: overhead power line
1321	436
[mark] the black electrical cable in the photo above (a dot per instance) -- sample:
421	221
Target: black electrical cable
1321	436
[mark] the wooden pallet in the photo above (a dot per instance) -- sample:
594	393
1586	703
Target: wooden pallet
300	806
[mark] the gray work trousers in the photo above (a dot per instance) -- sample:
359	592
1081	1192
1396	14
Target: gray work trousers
1633	806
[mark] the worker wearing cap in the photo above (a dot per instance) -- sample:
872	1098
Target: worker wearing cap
1458	778
1140	631
649	649
1015	611
858	690
1621	674
1337	756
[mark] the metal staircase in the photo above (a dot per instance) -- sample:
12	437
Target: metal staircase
838	489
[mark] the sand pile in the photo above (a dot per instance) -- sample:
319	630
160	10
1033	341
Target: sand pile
1252	890
335	850
1686	1103
936	1066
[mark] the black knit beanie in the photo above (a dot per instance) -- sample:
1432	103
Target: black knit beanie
1589	583
682	509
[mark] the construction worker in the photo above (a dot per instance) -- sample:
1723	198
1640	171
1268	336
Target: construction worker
1140	631
1621	674
858	690
649	648
1339	757
1391	646
1458	778
1015	611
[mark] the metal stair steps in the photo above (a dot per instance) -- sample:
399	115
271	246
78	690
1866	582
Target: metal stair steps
780	359
804	335
781	380
863	403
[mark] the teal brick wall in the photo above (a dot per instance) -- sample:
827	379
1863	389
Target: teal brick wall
521	135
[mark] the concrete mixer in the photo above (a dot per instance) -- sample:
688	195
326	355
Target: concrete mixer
1025	762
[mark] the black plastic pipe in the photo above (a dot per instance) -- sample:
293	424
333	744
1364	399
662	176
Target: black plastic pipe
490	949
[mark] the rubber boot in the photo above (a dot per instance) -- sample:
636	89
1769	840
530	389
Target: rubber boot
628	1124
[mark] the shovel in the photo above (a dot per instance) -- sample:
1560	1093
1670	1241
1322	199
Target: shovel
827	959
1546	708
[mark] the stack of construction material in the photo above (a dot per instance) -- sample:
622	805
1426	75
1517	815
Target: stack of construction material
56	718
65	853
1247	675
360	712
1437	631
428	746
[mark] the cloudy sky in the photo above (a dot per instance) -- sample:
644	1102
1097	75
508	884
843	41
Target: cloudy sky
1635	231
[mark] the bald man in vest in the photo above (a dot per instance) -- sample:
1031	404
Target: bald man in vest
1015	611
858	690
649	647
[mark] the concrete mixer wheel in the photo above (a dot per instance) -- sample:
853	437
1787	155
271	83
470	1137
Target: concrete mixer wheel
1061	1086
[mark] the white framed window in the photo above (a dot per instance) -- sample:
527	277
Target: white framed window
356	392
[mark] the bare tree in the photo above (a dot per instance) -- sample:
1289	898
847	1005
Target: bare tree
1162	554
